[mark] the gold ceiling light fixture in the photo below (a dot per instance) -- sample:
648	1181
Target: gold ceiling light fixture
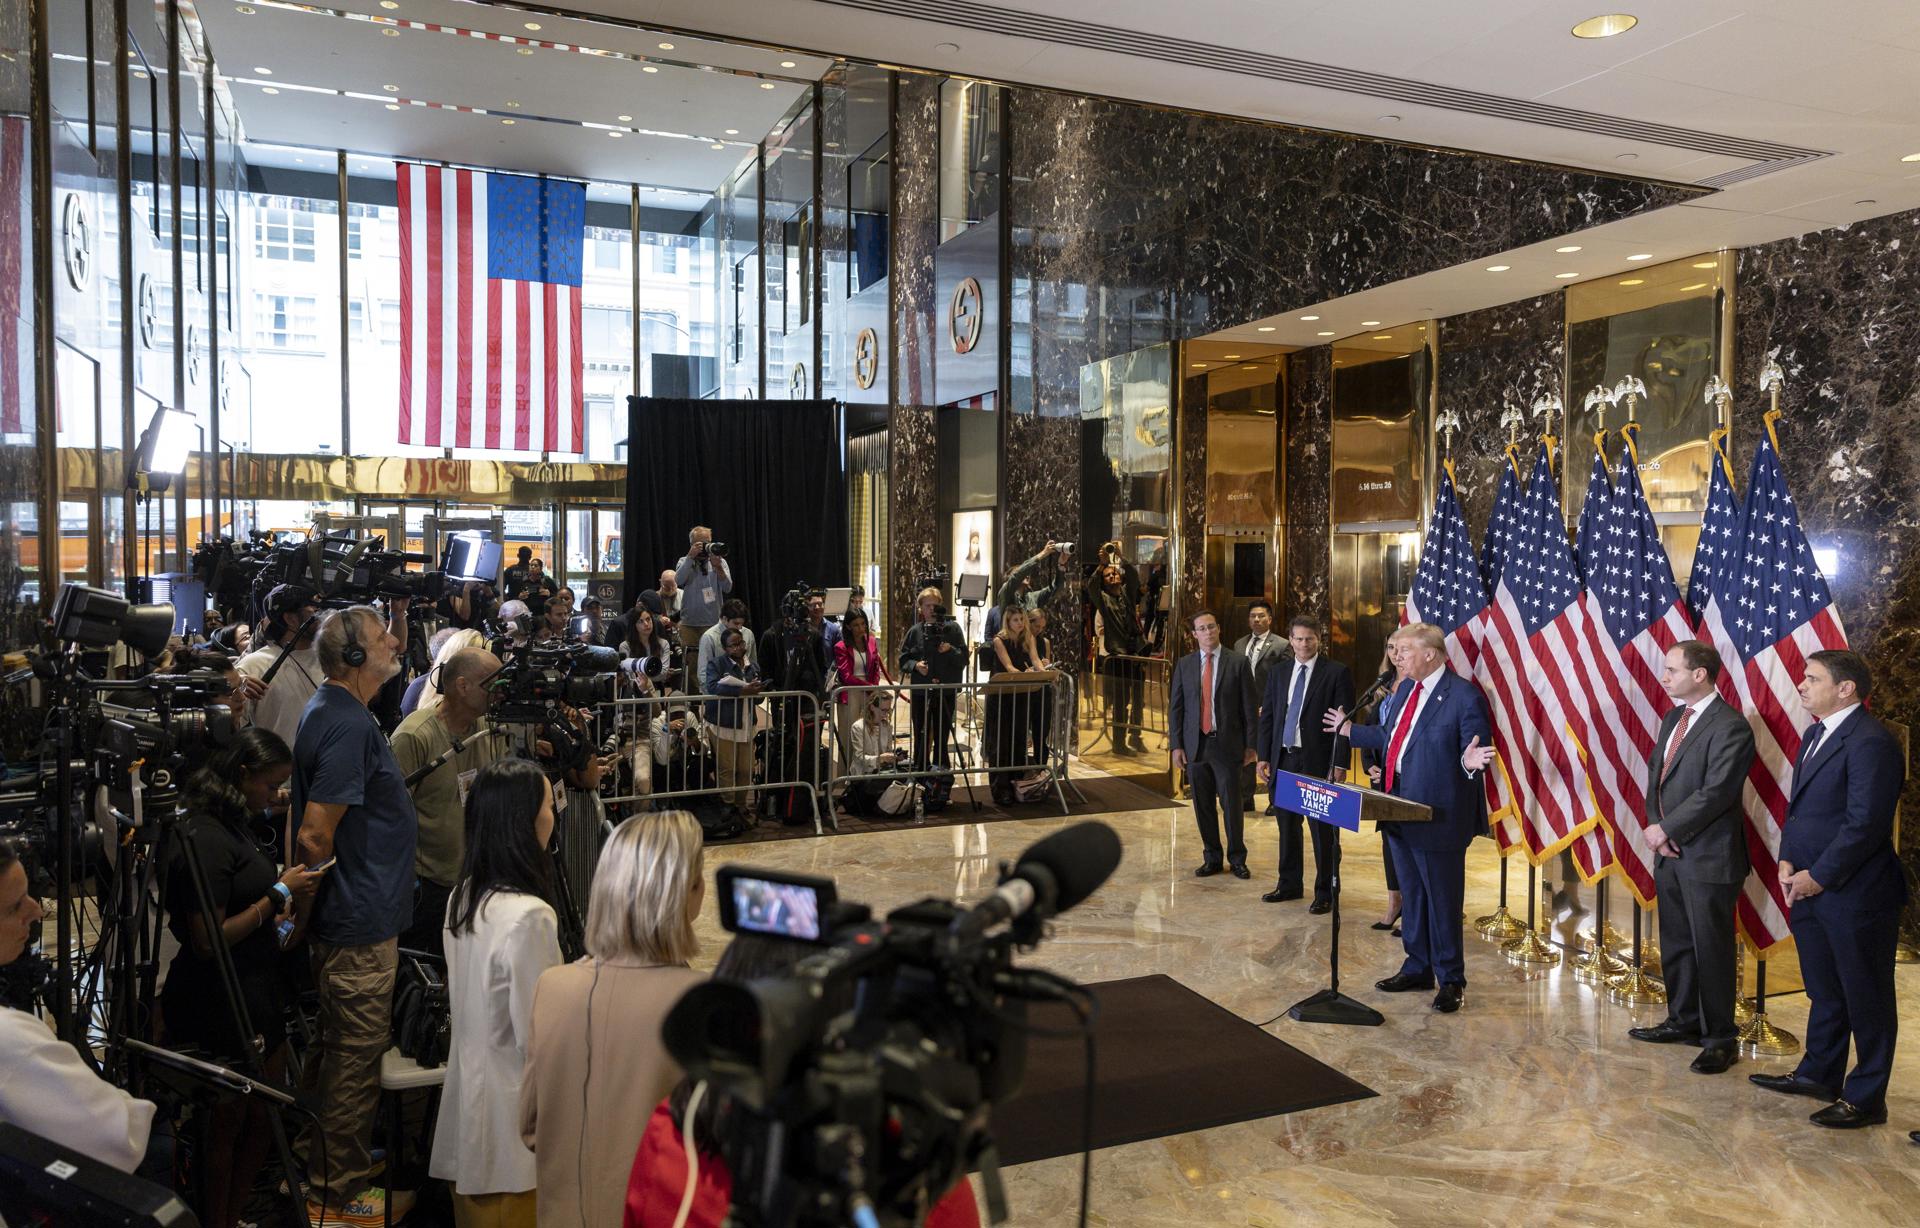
390	32
1230	357
1383	336
1199	365
1606	25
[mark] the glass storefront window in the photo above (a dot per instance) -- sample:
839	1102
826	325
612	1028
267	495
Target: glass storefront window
289	301
969	155
869	198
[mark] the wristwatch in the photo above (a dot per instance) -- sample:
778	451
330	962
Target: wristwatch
284	892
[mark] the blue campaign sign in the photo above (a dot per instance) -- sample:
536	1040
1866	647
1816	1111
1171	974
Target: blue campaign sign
1320	800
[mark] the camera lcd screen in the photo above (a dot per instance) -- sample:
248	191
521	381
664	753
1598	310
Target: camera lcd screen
786	907
473	556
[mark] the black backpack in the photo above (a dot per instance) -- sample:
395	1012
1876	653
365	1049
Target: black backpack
422	1010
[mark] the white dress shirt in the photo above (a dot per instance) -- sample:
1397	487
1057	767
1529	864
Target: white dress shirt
1831	725
1699	709
46	1089
1286	700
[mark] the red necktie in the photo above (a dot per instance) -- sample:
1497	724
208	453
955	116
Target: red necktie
1673	751
1401	728
1206	692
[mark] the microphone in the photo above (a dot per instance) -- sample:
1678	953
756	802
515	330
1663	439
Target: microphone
1050	877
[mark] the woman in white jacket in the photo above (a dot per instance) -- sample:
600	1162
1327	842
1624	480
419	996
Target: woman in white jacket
501	934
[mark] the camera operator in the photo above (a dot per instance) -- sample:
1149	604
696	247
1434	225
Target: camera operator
469	606
732	722
278	705
1117	632
439	799
670	595
238	784
677	747
214	661
502	933
704	581
596	632
734	615
351	810
657	1187
817	621
934	651
1018	591
44	1086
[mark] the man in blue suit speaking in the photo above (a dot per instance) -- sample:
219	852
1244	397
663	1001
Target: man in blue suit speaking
1845	889
1434	737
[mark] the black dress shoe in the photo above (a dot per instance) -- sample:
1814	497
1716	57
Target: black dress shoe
1843	1116
1320	907
1281	895
1666	1033
1447	1000
1240	871
1208	869
1713	1060
1387	925
1121	748
1403	982
1793	1085
1913	1136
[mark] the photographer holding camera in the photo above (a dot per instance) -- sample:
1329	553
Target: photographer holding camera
934	651
1118	633
1018	591
704	581
439	798
470	606
44	1086
353	814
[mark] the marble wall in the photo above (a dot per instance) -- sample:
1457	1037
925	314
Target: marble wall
1838	305
912	466
1489	360
1307	437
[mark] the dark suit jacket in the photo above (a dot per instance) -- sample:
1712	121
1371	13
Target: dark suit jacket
1236	714
1430	771
1701	798
1840	819
1330	686
1277	651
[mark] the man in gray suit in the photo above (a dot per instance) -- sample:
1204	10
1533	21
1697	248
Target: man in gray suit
1212	715
1698	833
1262	649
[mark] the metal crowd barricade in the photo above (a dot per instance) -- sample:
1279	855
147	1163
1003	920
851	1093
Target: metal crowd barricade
1010	740
1137	686
791	721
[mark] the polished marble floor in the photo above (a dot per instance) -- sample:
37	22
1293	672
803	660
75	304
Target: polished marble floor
1529	1107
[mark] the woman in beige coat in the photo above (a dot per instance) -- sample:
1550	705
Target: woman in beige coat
595	1064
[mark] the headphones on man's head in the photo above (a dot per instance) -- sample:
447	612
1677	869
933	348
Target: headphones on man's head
352	653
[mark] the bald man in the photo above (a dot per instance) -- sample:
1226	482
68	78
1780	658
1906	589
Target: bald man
453	707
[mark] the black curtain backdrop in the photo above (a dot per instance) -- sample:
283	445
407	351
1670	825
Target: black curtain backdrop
766	476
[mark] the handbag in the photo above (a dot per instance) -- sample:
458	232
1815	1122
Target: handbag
422	1009
898	797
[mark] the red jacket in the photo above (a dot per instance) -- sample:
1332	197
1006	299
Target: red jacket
659	1181
876	668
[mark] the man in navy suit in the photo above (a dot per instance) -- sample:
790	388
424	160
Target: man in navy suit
1434	733
1845	890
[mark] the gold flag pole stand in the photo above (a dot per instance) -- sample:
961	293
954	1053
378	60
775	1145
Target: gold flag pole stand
1742	1006
1501	925
1758	1037
1597	965
1634	987
1532	947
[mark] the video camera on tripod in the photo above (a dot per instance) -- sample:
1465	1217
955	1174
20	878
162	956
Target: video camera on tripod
346	569
860	1087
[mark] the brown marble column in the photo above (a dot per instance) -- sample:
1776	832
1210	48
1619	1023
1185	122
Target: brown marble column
912	527
1307	439
1489	360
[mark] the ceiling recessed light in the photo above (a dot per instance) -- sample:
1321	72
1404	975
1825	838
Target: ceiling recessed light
268	89
393	106
648	68
1200	364
1326	334
389	4
1866	202
507	122
1565	276
1572	247
533	25
1912	157
390	32
1369	324
1249	367
1606	25
265	72
833	144
946	48
1229	357
524	50
514	105
1641	256
733	132
626	119
391	89
666	46
1264	328
1498	268
1634	281
1698	285
1309	318
788	64
1389	119
718	145
1383	336
616	135
766	85
245	10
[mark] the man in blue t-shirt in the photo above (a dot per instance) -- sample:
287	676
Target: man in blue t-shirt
351	808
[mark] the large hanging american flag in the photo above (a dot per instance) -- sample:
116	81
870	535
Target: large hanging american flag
1593	852
1528	636
490	310
1506	514
1446	587
1776	609
1504	823
1636	615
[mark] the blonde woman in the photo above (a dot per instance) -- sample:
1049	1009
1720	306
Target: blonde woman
433	696
595	1064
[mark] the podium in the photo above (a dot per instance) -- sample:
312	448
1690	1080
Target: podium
1342	806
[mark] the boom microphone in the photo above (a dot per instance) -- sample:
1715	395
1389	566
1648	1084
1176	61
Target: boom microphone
1050	877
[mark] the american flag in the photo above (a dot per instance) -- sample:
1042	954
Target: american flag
1635	615
16	333
490	310
1493	558
1506	513
1776	609
1592	852
1528	642
1713	560
1446	588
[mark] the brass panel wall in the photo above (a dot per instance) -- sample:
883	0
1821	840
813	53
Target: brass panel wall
1382	400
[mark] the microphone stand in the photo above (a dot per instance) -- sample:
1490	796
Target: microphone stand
1329	1005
